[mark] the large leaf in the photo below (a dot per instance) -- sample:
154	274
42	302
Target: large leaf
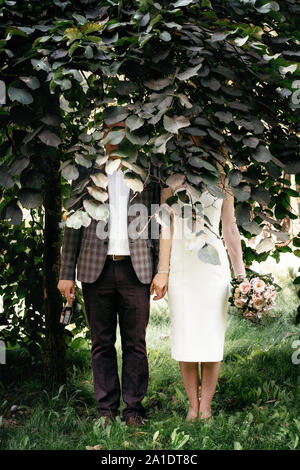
242	192
6	179
209	254
188	73
20	95
174	123
262	154
49	138
127	150
157	84
31	82
70	172
13	213
97	193
18	166
133	182
114	137
266	244
78	219
100	180
95	210
134	122
114	114
112	165
30	198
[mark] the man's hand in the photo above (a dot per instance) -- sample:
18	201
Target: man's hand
159	285
67	289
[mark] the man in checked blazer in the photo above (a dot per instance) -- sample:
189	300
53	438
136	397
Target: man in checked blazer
116	272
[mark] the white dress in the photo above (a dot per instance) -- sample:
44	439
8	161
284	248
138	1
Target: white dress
198	292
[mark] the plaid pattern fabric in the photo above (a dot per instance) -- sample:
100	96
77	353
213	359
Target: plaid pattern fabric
83	249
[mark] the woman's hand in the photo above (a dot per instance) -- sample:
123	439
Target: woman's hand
159	285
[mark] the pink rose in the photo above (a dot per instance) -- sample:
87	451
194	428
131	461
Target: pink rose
267	295
258	285
245	287
258	302
239	303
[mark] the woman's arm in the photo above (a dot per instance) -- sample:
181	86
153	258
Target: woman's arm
159	284
231	233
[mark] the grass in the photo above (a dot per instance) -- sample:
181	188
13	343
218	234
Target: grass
256	405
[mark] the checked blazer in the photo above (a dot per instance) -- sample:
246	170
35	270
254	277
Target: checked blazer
83	250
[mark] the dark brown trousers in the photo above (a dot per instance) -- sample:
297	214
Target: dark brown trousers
118	293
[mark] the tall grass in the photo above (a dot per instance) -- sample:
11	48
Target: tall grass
256	404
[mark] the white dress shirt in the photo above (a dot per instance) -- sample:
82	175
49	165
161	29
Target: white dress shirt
118	192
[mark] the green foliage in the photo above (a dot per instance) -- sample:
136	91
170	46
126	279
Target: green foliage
191	80
256	404
22	287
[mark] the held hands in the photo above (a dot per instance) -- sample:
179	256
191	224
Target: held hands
67	289
159	285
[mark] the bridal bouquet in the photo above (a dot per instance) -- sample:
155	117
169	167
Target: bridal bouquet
255	296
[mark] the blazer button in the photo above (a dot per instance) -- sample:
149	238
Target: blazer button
105	242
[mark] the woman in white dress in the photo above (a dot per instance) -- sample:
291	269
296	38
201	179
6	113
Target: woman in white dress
198	291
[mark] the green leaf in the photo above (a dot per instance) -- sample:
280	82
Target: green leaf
125	88
134	122
30	198
72	34
41	65
20	95
6	179
173	124
182	3
133	182
209	254
31	82
114	114
237	446
49	138
157	84
188	73
92	27
262	154
97	211
242	192
13	213
165	36
97	193
127	150
70	172
114	137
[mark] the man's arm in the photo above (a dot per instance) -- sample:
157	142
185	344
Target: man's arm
70	249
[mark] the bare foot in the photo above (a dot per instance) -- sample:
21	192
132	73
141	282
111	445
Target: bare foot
205	412
192	415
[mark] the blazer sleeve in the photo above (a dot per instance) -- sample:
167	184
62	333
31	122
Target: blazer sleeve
71	239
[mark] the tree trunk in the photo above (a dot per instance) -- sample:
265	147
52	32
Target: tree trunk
55	347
